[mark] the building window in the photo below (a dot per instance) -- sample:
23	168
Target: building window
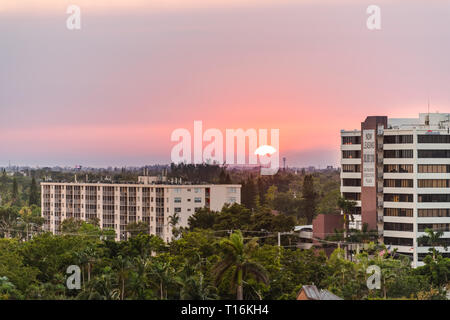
398	183
395	226
434	198
433	168
351	168
433	138
398	241
433	213
351	140
351	154
177	200
394	197
198	200
433	183
398	168
398	139
400	154
433	154
351	182
398	212
352	196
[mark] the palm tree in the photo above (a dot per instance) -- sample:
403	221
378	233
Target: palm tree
433	240
86	258
237	257
122	265
174	219
194	286
138	281
164	275
103	287
173	222
8	220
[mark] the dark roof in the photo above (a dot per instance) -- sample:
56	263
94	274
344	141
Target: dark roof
327	295
313	293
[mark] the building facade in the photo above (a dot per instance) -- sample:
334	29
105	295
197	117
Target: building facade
398	172
115	205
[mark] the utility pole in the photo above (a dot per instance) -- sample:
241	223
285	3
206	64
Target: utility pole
279	236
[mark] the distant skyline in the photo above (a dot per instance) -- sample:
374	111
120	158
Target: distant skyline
111	93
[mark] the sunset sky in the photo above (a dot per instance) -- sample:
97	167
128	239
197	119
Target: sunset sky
113	92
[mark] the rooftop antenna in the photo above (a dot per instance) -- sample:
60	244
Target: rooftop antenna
427	119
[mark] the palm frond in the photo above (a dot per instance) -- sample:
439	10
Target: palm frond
257	270
220	268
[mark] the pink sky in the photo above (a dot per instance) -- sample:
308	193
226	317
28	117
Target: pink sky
112	93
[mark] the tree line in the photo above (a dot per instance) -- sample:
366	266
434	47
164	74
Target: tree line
215	257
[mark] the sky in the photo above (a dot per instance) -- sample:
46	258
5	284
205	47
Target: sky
113	92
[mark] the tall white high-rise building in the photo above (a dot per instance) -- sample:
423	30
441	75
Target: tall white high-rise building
398	172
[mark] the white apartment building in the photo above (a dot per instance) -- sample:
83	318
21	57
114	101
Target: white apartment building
116	204
398	172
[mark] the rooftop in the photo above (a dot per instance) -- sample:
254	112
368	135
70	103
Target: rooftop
425	121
